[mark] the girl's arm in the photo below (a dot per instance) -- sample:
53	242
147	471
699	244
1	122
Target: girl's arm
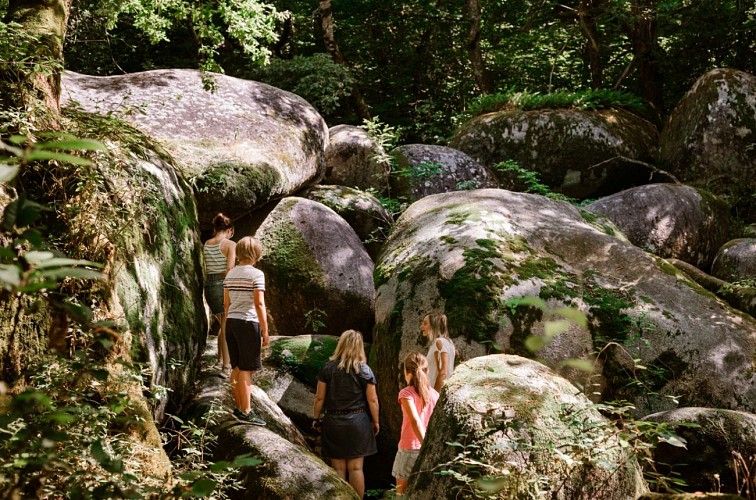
226	302
262	315
319	400
442	362
228	248
372	399
417	425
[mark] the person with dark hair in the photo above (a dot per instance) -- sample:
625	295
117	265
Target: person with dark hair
346	391
246	324
442	352
418	400
220	257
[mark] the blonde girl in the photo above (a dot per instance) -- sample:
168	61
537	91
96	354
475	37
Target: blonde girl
442	352
346	391
246	324
417	400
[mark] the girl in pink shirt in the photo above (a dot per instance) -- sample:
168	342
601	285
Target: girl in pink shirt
418	400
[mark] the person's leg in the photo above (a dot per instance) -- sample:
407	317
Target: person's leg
339	464
245	390
223	357
401	485
235	387
356	476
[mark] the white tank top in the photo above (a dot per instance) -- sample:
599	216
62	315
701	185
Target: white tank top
446	346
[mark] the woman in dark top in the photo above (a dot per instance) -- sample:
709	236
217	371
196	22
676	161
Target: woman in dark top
346	390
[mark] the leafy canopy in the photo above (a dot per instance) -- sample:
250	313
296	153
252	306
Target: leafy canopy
249	24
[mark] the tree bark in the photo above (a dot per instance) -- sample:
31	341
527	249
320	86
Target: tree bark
482	77
30	87
643	36
326	22
587	11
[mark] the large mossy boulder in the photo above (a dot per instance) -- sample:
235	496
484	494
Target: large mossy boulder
319	278
423	169
467	253
720	446
534	434
132	211
241	145
582	154
363	211
736	260
709	136
669	220
353	159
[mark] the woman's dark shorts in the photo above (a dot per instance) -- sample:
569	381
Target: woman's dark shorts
244	344
214	292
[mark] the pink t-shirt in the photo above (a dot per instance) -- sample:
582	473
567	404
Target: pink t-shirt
408	439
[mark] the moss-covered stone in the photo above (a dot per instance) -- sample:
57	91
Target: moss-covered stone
510	414
708	139
310	287
302	356
585	140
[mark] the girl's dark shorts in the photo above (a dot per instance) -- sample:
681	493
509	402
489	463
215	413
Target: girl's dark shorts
214	292
244	344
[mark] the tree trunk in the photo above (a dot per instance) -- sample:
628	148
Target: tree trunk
38	91
643	34
326	21
587	11
482	77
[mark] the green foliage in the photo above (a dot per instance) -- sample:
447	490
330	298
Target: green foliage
316	78
191	445
27	265
315	319
249	24
386	137
23	62
589	440
522	473
516	178
60	436
418	173
69	430
525	100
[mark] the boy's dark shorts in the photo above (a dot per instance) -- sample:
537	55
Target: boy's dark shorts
244	344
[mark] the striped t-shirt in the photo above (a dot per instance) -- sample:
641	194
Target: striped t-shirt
241	283
215	261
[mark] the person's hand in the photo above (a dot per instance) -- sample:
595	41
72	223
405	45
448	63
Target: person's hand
265	340
376	428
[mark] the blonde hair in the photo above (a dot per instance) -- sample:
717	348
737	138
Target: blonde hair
350	351
249	248
416	365
438	326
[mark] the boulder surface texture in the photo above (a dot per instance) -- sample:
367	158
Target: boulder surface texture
468	253
669	220
582	154
718	444
708	140
319	278
241	145
532	432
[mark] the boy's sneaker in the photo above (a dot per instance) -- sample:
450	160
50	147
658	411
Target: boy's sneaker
249	418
